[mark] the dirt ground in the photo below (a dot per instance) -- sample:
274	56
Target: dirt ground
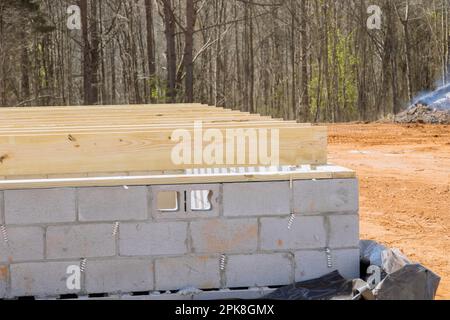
404	173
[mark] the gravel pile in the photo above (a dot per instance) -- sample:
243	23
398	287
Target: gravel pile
423	114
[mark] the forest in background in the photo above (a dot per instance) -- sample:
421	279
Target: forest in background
309	60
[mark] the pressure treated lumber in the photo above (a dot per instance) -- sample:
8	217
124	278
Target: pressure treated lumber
132	151
133	128
200	176
62	141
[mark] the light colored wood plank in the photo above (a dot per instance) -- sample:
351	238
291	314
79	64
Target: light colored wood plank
130	118
43	154
159	126
166	127
68	141
109	107
321	172
126	119
130	115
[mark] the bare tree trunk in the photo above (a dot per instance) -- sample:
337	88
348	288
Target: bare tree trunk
2	60
113	73
90	52
150	48
293	41
102	82
405	24
238	58
188	51
171	54
95	52
252	63
326	66
25	81
304	61
362	67
87	63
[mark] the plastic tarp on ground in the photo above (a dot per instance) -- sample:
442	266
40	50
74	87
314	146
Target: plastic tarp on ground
404	280
398	279
331	286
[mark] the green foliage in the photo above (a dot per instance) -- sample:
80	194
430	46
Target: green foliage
345	71
42	76
347	62
158	88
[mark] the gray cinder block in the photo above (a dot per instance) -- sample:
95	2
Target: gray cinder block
256	199
4	275
200	272
185	195
314	264
311	265
224	236
150	239
344	231
43	279
259	270
326	196
2	216
40	206
25	244
113	204
249	222
119	275
80	241
305	233
347	261
227	294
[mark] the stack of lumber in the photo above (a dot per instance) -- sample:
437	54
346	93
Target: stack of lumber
94	141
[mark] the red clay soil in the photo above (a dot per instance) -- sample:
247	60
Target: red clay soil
404	173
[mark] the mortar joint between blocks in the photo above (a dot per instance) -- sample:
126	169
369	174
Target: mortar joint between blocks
292	196
259	236
327	226
2	208
150	214
291	258
189	240
8	281
154	273
45	241
220	195
77	205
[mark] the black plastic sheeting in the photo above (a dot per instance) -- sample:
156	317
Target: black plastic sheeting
328	287
403	280
400	280
412	282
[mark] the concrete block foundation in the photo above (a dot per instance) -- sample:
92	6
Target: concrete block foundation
119	275
233	235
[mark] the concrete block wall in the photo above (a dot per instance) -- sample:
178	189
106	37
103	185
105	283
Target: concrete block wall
254	235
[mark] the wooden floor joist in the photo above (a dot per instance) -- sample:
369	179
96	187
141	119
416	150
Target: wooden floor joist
199	176
61	141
